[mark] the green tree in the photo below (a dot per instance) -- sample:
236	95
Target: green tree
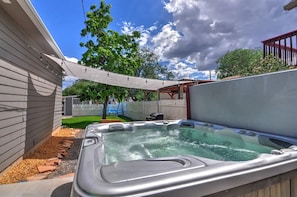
76	88
108	50
151	68
237	62
91	92
86	90
246	62
268	64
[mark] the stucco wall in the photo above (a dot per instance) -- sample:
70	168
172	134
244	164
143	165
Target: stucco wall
172	109
265	103
139	110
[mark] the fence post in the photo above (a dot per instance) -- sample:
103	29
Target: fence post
188	107
158	101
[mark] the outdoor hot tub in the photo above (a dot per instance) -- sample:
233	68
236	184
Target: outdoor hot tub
177	158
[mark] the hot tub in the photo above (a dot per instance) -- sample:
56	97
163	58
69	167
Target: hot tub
176	158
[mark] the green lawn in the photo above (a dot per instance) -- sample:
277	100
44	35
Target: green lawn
83	121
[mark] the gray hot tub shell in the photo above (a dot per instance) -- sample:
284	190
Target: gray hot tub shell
168	176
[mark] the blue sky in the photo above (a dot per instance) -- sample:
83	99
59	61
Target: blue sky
189	35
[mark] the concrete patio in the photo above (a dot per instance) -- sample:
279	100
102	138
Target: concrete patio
46	188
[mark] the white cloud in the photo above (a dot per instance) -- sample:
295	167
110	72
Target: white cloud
162	42
202	31
211	74
128	28
152	28
71	59
206	29
165	40
69	80
183	70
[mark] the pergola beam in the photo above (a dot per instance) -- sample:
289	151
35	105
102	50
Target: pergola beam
291	5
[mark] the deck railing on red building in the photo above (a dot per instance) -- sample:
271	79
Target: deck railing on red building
283	46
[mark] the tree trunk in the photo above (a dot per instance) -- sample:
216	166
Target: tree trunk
105	108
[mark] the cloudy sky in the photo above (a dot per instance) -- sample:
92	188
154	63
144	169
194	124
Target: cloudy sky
188	35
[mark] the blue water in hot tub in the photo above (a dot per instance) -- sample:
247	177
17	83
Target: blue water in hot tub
148	143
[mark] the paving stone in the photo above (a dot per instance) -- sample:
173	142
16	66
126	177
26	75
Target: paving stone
68	141
63	151
38	177
53	162
64	154
42	169
66	145
60	156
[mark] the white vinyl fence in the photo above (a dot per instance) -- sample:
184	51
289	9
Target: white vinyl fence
172	109
86	110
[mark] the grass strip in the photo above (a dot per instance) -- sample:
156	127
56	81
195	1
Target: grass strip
83	121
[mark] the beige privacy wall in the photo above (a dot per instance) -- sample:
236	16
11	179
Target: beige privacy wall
266	103
172	109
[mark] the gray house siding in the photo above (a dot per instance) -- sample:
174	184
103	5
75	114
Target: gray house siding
30	93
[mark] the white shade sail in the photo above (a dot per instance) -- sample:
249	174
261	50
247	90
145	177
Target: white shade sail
110	78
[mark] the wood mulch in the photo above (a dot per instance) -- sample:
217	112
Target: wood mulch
64	143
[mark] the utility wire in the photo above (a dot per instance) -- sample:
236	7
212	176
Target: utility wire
83	8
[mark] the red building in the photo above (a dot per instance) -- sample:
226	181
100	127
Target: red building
283	46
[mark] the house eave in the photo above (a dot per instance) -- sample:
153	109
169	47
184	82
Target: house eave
25	16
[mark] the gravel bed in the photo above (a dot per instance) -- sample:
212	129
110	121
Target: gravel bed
28	167
69	163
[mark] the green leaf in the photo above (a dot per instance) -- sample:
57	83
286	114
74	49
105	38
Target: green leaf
245	62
